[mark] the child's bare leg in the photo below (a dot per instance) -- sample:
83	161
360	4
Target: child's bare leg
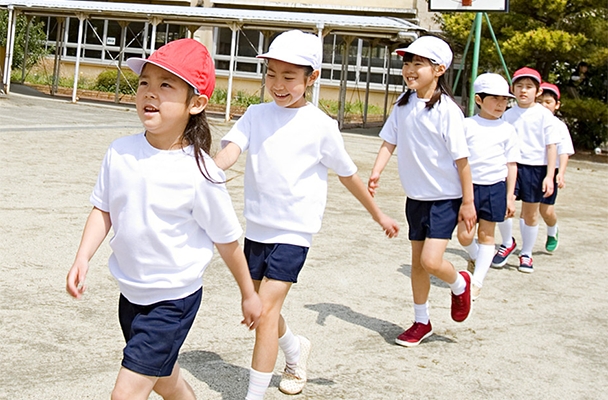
174	387
529	213
132	386
420	279
547	211
272	293
433	262
465	238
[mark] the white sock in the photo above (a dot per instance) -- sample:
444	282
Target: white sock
258	383
459	286
552	230
421	312
506	232
484	259
528	237
472	249
290	345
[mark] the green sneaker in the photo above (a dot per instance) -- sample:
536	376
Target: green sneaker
552	242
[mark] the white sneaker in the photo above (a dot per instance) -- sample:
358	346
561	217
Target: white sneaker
475	291
294	379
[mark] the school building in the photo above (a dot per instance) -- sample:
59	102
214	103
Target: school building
359	37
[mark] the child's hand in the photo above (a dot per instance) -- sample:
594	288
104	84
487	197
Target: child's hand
561	181
390	226
373	184
252	311
510	207
468	215
547	187
75	281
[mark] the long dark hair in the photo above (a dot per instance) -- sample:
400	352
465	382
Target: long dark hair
198	134
442	87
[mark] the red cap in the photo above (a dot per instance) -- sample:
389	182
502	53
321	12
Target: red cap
549	87
186	58
526	72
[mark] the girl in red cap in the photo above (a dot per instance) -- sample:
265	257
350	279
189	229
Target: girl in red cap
167	204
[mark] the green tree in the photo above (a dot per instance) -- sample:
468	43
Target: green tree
552	36
37	40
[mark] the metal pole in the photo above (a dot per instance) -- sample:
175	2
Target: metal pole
10	44
464	57
502	60
343	80
265	41
316	90
367	80
234	29
123	41
81	19
475	63
26	49
387	68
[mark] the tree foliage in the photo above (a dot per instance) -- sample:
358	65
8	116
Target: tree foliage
554	37
36	44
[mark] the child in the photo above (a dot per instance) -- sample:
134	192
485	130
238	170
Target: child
494	154
535	128
426	127
550	100
165	200
291	145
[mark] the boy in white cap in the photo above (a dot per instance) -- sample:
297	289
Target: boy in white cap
493	160
535	126
290	146
550	99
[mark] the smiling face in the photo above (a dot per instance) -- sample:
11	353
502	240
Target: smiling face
164	106
492	107
287	83
421	75
525	91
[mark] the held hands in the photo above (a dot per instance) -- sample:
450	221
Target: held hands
252	311
468	215
548	186
75	281
510	207
372	184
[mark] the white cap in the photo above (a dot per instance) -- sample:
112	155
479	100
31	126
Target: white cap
296	47
492	84
430	47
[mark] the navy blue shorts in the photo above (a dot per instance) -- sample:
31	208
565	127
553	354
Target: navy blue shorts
529	185
155	333
278	261
551	199
431	219
491	201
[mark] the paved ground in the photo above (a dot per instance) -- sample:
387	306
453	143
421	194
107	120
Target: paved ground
539	336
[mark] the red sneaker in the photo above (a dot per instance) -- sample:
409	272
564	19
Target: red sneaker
461	304
416	334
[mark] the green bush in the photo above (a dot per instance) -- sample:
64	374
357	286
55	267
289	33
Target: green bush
106	82
587	120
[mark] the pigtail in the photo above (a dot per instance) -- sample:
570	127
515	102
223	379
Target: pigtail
442	88
198	134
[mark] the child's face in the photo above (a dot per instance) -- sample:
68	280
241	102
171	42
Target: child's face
492	107
547	101
525	92
287	83
421	75
162	103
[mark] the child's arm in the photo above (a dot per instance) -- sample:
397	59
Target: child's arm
251	305
551	159
354	185
226	157
561	173
95	231
467	208
511	178
384	155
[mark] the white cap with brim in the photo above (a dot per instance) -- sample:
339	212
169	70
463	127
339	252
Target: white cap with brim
430	47
492	84
296	47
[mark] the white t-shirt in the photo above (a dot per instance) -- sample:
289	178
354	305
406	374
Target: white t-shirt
289	151
565	145
493	144
428	141
166	217
536	130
